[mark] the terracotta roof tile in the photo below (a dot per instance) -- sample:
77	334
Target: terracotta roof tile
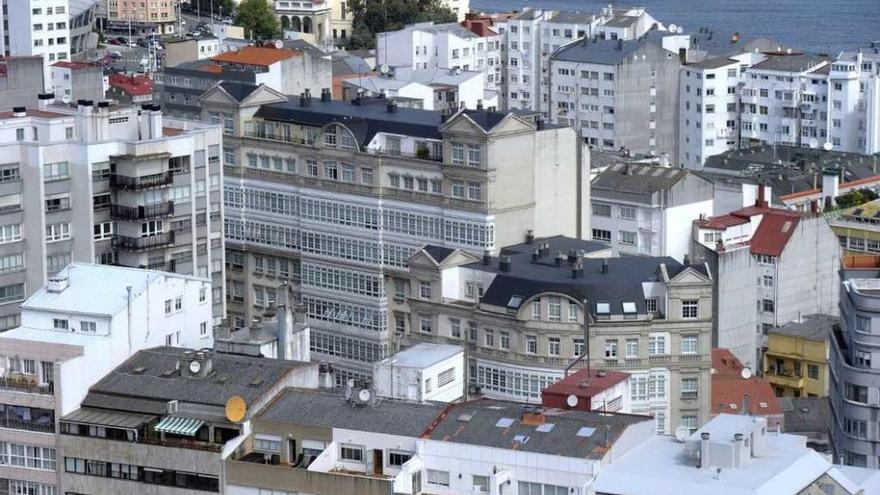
773	234
132	85
729	388
254	55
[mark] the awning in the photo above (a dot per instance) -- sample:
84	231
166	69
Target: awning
113	419
179	426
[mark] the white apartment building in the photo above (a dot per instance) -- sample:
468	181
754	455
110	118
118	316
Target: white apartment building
444	46
87	320
110	185
429	89
618	94
781	262
332	196
423	372
36	27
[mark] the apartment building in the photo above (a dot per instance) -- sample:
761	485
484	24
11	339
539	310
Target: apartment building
854	380
648	209
857	228
796	356
429	89
618	94
18	78
83	15
142	17
36	28
318	442
859	99
73	81
521	317
111	185
307	177
730	454
443	46
285	70
781	262
83	323
163	420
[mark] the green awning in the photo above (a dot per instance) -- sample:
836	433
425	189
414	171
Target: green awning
179	426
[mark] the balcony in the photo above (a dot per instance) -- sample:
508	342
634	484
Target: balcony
156	241
141	183
120	212
26	386
785	378
18	424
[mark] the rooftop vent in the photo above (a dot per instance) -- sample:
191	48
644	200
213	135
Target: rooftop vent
138	371
57	284
530	236
325	94
521	439
545	428
256	382
559	258
504	263
465	418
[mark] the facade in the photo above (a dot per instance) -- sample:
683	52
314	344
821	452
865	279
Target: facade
315	442
521	316
854	380
285	70
340	20
83	14
599	390
424	372
432	89
86	321
142	17
443	46
796	357
135	89
730	454
161	421
32	28
468	180
311	19
647	209
778	261
189	49
18	78
738	392
857	228
809	417
606	88
110	185
73	81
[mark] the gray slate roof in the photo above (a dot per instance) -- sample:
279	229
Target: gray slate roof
813	327
439	253
475	423
639	179
238	90
129	388
603	52
806	415
330	410
713	63
790	63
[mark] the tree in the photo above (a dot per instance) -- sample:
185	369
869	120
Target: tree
220	6
258	19
377	16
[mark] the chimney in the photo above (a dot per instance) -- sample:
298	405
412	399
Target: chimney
619	45
605	268
46	100
704	450
155	119
325	95
308	93
530	236
830	185
814	206
536	254
738	447
573	256
391	107
479	104
533	416
559	258
762	201
487	258
577	271
687	260
303	101
284	319
19	112
504	263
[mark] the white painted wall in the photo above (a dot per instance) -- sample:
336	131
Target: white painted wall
409	382
678	222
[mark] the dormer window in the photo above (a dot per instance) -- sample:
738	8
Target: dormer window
629	310
603	311
330	137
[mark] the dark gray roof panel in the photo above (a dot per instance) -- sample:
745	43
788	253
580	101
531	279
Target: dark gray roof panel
439	253
790	63
639	179
238	90
604	52
331	410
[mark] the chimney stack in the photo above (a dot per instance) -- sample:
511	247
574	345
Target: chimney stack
762	201
605	268
325	95
391	107
704	450
530	236
504	263
46	100
559	258
19	112
487	258
577	271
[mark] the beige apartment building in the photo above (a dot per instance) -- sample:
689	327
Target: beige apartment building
144	17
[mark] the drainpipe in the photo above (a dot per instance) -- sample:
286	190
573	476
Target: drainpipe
128	307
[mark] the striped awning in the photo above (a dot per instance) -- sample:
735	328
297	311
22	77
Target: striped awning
179	426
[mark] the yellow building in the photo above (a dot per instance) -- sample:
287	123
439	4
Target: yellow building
858	228
796	358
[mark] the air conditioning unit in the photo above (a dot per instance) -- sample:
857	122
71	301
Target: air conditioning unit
171	407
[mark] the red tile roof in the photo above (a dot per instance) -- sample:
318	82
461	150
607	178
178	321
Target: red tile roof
721	222
595	382
133	85
773	234
34	113
256	55
73	65
729	388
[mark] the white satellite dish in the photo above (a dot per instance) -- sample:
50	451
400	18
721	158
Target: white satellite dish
384	69
746	373
828	146
571	401
682	433
65	99
814	143
279	44
680	30
673	28
364	395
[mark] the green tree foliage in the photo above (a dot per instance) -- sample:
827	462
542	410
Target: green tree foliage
258	19
204	7
855	198
377	16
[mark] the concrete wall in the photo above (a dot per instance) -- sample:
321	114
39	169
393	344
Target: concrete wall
24	80
736	320
808	280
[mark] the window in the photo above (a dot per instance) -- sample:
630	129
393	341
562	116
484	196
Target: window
445	377
855	427
689	344
553	345
474	191
398	458
601	210
59	324
554	308
457	153
87	326
651	305
103	231
657	345
425	324
55	171
58	232
627	213
481	484
11	263
55	262
632	348
627	238
601	235
689	387
9	293
425	290
531	344
861	358
266	443
857	393
473	155
689	308
455	328
611	349
572	312
767	305
351	453
689	422
489	337
767	281
435	477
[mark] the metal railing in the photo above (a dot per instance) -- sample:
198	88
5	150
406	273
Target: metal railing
120	212
142	182
156	241
26	386
17	424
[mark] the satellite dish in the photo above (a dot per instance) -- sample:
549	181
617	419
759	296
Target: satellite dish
814	143
828	146
279	44
65	99
746	373
236	408
571	401
384	69
682	433
680	30
195	366
364	395
673	28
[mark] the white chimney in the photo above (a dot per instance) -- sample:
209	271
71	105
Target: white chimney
46	100
57	284
704	450
830	185
155	118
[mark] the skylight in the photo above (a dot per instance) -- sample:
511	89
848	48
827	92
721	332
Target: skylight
514	301
521	439
629	307
504	423
603	308
545	427
585	431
